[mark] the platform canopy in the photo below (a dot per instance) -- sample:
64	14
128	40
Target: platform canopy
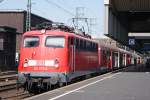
131	5
128	19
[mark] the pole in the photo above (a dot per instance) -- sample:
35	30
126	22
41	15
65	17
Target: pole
28	16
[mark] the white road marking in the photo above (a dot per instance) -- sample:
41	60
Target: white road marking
54	98
80	91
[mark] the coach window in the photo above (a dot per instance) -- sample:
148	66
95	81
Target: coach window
31	42
57	42
90	46
103	56
93	46
96	48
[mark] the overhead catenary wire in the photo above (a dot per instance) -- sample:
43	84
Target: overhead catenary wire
42	12
66	3
75	17
58	6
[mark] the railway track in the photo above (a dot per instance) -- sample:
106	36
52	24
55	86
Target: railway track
8	90
14	94
8	80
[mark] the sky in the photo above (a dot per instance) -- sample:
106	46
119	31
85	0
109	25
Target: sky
64	11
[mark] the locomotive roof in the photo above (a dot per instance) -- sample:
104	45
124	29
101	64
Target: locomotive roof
57	32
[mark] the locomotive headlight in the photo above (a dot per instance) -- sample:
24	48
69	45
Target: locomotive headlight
25	63
56	64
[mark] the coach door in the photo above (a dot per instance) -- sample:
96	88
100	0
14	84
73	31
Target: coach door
72	50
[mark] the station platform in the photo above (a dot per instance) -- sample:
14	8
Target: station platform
129	84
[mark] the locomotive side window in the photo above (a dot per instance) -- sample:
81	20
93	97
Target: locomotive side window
88	45
57	42
84	45
81	45
31	42
71	41
77	44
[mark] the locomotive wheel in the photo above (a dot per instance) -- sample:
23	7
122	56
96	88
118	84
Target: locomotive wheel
34	89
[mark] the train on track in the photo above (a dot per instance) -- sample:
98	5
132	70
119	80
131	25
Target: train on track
55	54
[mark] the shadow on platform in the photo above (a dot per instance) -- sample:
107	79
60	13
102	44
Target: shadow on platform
139	68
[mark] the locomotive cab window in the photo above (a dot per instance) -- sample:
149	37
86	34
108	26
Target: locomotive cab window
57	42
31	42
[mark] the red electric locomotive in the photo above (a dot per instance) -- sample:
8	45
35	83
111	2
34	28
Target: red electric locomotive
54	56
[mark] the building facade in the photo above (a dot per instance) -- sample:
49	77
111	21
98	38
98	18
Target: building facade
7	48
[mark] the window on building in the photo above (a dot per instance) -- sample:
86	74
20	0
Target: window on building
1	44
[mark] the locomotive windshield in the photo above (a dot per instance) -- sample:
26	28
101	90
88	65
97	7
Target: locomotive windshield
57	42
31	41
